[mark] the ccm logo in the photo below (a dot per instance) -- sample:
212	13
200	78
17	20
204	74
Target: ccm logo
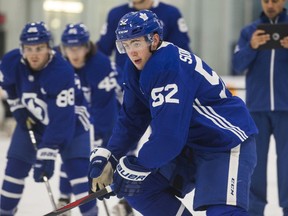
131	175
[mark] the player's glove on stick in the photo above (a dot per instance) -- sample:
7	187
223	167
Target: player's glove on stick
19	112
45	162
101	168
129	177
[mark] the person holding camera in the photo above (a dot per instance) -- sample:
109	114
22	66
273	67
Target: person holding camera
267	99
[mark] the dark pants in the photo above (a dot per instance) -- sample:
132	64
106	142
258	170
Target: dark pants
269	123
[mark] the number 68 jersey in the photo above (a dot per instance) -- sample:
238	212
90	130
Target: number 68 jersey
48	95
186	104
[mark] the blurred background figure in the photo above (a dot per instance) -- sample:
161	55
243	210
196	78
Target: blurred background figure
100	84
267	100
45	101
175	28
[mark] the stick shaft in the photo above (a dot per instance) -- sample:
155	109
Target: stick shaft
49	190
81	201
106	207
46	181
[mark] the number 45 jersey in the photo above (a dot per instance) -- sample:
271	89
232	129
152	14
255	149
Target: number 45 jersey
48	95
185	102
101	85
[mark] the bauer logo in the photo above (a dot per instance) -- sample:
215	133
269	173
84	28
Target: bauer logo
122	32
33	39
131	175
73	41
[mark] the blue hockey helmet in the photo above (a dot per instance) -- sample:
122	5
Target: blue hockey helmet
75	35
35	33
138	24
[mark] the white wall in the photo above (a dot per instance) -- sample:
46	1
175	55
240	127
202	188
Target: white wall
213	25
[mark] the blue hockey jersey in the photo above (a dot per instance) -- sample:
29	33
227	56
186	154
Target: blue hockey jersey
186	104
47	95
175	29
99	79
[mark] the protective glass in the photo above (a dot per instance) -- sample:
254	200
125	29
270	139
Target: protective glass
132	45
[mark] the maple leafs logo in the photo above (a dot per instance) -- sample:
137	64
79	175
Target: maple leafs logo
143	16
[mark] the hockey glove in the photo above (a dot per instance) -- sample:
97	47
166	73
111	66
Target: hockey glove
45	162
129	177
101	168
19	112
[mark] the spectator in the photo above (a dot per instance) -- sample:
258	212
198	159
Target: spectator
267	100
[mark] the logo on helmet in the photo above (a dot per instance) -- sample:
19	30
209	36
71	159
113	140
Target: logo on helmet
72	31
143	16
123	22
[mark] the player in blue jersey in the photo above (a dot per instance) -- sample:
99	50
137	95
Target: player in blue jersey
101	86
175	31
267	99
42	91
202	137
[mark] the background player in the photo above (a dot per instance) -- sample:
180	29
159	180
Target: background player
100	83
176	30
202	136
41	90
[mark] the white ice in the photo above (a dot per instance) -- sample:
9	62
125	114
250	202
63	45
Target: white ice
35	200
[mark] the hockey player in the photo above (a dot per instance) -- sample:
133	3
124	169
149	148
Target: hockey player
176	30
41	90
100	83
202	137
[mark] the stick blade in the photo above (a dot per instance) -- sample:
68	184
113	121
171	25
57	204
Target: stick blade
81	201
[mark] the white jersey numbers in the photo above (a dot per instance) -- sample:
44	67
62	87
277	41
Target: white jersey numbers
213	78
66	98
158	98
185	56
109	82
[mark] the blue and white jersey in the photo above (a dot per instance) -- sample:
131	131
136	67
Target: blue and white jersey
100	81
185	102
48	96
175	29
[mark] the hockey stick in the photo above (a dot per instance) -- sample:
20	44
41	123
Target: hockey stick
48	187
106	208
81	201
31	133
45	179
